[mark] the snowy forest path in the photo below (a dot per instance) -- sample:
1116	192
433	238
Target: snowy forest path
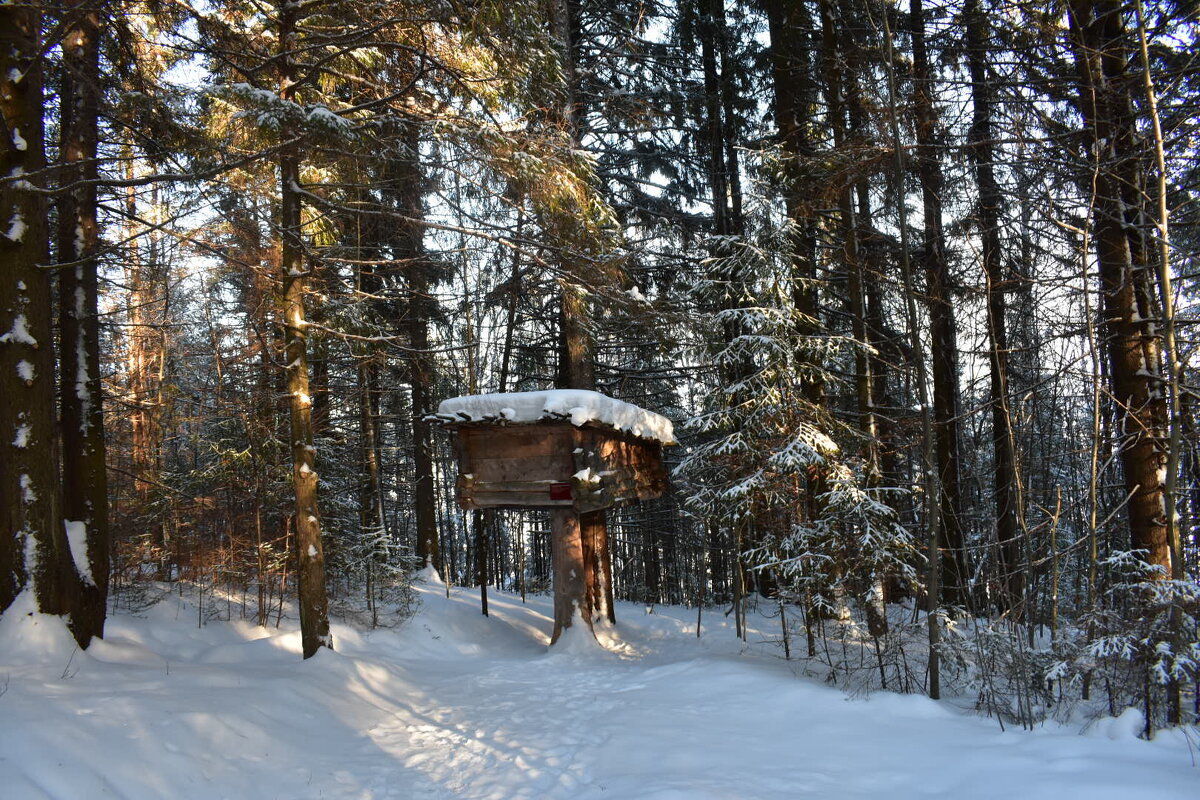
662	715
514	709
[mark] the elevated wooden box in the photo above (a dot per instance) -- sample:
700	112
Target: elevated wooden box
554	464
572	451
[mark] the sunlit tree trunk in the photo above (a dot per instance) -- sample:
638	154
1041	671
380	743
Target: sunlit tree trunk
1126	280
586	536
314	602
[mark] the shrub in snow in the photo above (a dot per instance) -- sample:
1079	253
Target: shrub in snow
1139	647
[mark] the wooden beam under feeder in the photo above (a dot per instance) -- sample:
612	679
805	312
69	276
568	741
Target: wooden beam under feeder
573	452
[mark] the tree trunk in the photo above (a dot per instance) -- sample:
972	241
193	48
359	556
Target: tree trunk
481	557
85	479
595	527
795	93
1126	286
570	581
372	517
955	568
1174	373
576	370
1004	464
406	181
34	551
931	476
143	352
841	90
371	513
314	603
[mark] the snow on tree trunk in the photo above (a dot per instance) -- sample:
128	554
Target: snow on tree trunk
84	474
570	572
34	552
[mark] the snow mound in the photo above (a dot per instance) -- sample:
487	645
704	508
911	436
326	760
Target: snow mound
30	637
429	575
577	642
1128	725
576	405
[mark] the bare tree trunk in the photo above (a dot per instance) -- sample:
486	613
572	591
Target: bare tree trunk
576	370
371	512
795	94
1004	465
34	552
931	475
651	567
85	479
840	82
1133	343
1175	386
481	557
955	569
570	582
314	602
595	525
143	353
409	236
372	516
261	418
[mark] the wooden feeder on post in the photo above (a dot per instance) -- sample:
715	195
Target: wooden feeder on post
574	452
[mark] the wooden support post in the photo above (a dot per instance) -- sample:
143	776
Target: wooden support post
587	537
481	557
570	582
594	527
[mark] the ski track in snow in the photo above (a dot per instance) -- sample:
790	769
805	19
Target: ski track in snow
455	705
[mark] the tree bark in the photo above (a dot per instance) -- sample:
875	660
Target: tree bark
795	93
1174	372
956	570
34	552
421	378
1126	286
576	370
481	557
1004	464
371	512
314	602
147	306
931	477
595	527
570	582
841	90
85	479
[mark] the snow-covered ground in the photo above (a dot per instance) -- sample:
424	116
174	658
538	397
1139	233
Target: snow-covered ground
455	705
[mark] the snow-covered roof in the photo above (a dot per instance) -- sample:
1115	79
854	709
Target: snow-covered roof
576	405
